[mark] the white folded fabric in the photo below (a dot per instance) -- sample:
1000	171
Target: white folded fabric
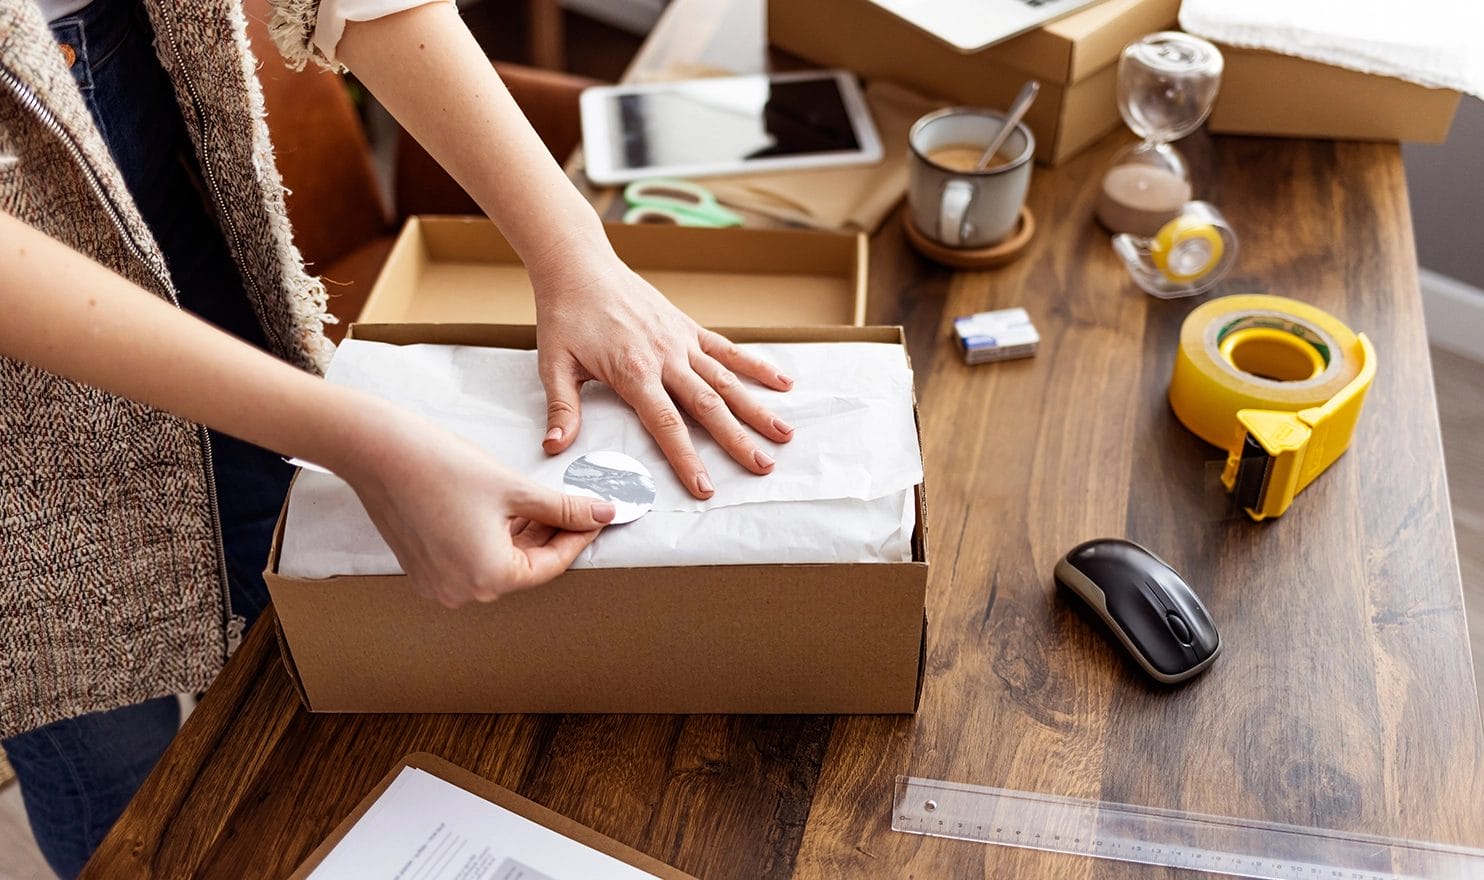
842	491
1437	43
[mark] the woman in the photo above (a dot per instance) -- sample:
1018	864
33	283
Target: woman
136	175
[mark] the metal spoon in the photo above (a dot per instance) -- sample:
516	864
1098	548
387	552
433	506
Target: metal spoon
1022	103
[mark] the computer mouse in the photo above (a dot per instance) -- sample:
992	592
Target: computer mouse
1149	607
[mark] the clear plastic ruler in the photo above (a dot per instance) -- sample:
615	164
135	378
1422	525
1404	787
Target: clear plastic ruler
1129	833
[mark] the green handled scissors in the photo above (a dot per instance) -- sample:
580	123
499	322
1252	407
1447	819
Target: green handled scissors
675	201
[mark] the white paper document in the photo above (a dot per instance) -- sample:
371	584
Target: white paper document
843	489
424	828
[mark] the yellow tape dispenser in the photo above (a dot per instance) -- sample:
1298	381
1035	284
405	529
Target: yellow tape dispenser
1275	382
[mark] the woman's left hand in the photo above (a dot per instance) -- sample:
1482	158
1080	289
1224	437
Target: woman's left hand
599	320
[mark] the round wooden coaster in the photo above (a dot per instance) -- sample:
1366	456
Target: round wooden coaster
973	258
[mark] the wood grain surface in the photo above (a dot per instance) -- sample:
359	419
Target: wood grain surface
1344	695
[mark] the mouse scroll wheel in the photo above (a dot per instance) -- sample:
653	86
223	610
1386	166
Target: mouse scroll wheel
1178	627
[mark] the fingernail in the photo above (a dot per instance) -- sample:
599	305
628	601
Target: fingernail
783	427
703	482
554	435
784	380
763	459
604	511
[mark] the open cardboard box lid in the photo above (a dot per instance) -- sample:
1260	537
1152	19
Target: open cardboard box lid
757	638
462	270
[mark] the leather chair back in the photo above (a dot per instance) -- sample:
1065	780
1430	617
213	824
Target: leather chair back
334	200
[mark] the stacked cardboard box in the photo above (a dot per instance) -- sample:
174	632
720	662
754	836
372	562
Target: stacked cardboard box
1075	58
1270	94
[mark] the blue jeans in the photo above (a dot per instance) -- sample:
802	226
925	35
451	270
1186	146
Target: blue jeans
77	775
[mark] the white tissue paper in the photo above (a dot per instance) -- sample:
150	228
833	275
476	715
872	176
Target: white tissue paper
1436	43
842	490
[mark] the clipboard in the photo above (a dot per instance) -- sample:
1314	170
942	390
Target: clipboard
499	796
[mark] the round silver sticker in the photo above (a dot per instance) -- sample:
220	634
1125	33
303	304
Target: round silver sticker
612	476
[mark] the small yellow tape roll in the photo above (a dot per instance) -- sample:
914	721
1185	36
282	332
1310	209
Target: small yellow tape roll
1255	351
1203	241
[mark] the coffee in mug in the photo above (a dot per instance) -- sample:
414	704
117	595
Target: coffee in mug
965	157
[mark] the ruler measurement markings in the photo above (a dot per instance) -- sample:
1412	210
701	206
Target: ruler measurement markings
1202	860
1130	833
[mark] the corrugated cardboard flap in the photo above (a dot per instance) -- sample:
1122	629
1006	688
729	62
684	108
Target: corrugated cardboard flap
524	335
462	269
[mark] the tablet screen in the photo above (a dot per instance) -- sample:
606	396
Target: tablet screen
729	120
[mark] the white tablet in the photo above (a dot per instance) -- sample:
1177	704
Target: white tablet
726	125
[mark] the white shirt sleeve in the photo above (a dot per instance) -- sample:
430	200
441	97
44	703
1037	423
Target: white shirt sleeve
329	27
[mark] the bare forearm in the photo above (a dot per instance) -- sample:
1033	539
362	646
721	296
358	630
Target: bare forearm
596	318
451	513
427	69
68	315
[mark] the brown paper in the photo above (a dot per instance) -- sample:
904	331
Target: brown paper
856	197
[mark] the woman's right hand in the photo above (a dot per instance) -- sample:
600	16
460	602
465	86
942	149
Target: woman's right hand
464	527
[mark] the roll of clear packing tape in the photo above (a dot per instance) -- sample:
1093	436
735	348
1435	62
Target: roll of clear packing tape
1278	384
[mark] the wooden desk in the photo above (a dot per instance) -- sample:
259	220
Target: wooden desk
1343	698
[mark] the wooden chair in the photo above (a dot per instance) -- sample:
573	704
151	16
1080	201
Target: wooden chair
342	224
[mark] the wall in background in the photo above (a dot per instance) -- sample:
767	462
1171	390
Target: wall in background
1446	182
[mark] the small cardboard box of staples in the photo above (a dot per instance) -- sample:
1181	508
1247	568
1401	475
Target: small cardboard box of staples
1074	57
741	638
1265	93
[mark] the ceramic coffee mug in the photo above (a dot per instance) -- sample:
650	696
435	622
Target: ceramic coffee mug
951	203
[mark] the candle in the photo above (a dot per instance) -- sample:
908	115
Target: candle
1139	199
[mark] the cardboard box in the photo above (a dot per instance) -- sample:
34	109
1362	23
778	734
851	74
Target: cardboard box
846	638
462	270
1271	94
1075	58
